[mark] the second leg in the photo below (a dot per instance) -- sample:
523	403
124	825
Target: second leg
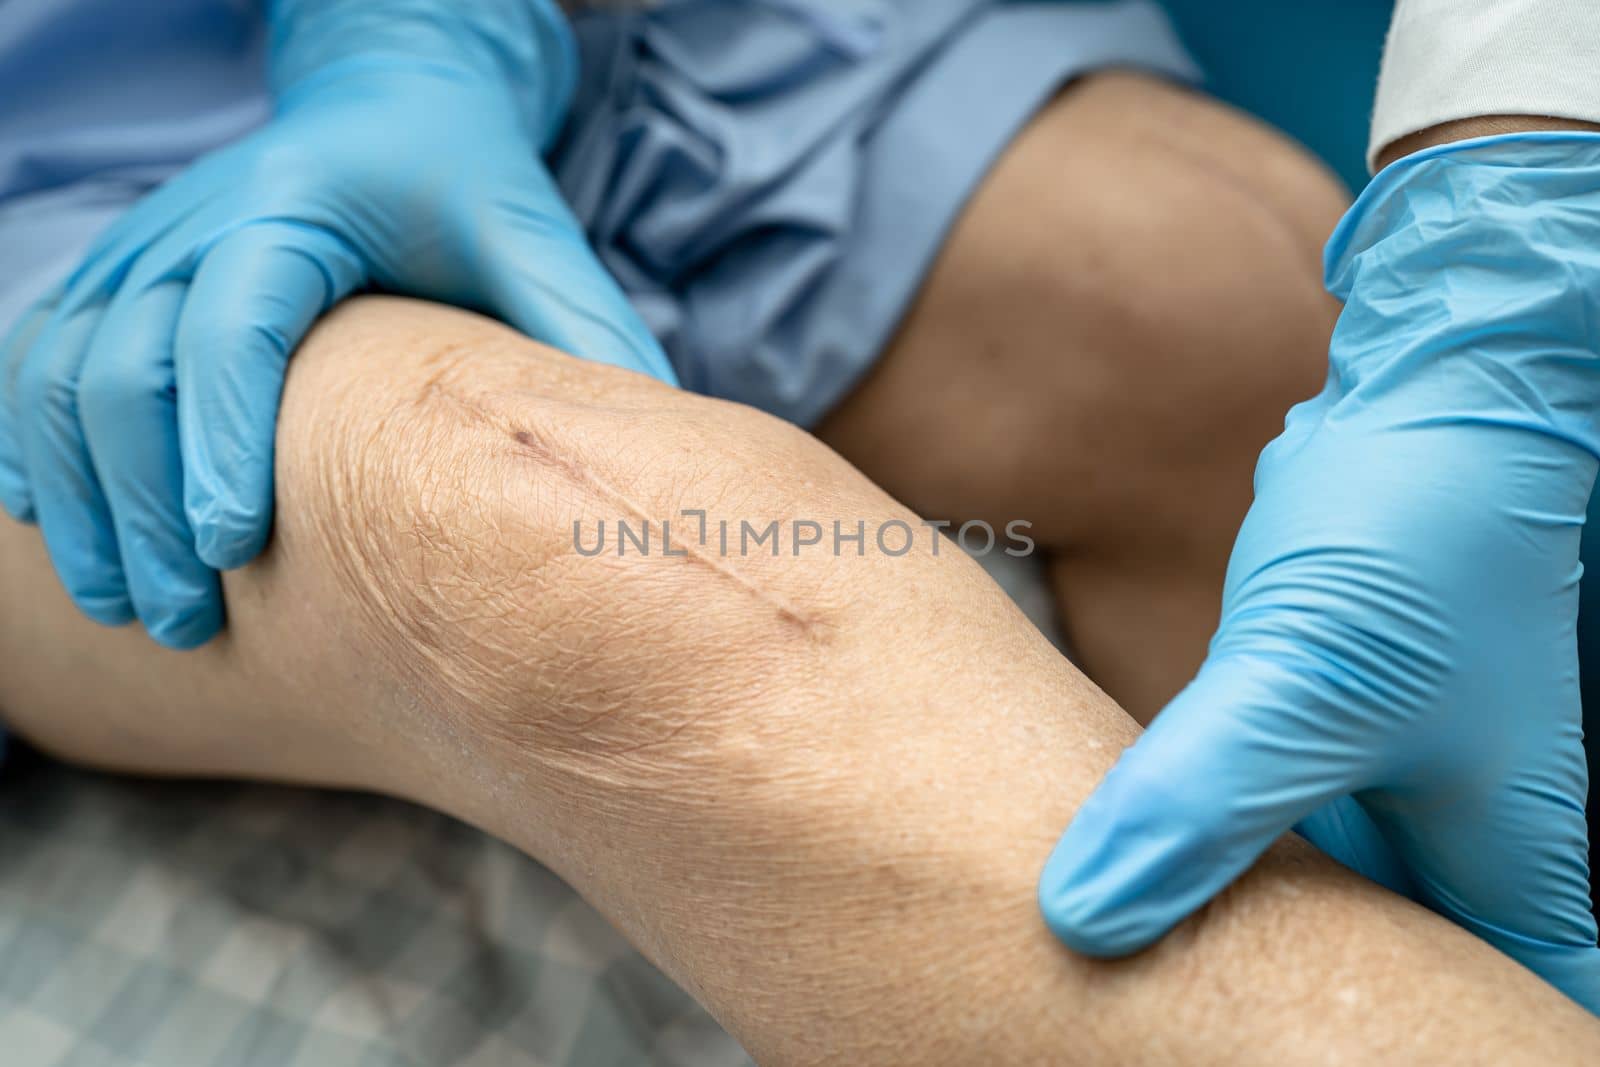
1115	328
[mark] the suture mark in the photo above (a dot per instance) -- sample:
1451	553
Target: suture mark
544	454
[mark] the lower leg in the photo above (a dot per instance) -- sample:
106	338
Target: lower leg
816	790
1117	325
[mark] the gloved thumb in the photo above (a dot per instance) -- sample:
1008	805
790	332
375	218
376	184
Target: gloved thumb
1246	751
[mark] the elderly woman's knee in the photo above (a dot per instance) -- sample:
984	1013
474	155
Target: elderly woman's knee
565	557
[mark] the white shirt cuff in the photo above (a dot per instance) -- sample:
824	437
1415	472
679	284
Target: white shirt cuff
1458	59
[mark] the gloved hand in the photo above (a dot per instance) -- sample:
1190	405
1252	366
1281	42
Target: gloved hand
1399	620
140	398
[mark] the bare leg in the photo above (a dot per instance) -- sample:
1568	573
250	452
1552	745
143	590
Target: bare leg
816	790
1116	328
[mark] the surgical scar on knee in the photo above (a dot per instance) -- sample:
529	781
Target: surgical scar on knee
551	458
563	462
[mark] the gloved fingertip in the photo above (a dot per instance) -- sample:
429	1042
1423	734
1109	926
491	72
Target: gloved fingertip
108	610
635	350
1079	921
649	354
658	366
1083	894
186	629
17	502
227	537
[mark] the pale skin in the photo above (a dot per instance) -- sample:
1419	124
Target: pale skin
817	791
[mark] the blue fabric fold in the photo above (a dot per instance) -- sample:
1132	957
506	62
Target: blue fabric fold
770	181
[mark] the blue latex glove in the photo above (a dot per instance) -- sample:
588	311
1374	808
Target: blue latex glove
140	399
1399	620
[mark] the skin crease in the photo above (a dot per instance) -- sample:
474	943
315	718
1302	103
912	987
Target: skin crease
816	790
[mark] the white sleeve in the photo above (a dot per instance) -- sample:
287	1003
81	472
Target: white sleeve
1461	59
